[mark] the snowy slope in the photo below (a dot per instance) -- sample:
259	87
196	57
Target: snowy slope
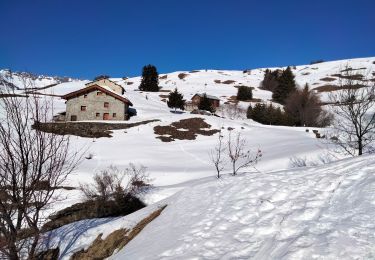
266	210
190	158
323	212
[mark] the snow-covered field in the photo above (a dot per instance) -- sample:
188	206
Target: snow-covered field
271	212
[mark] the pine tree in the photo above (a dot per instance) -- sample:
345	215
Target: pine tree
244	93
205	104
286	86
150	79
176	100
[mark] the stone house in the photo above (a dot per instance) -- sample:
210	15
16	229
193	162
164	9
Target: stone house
99	100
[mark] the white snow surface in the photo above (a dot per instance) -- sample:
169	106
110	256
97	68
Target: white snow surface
323	212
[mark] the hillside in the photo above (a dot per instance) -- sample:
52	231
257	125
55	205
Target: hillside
288	213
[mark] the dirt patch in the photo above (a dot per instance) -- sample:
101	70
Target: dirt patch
228	82
164	90
328	79
86	129
163	77
104	248
352	77
351	69
185	129
93	209
182	75
233	99
330	88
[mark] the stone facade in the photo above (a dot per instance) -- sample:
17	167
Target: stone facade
95	105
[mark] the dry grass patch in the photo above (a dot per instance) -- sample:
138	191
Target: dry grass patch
330	88
87	129
328	79
164	90
104	248
228	82
233	99
182	75
185	129
352	77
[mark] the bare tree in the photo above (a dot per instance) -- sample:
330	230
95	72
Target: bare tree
239	155
353	107
33	165
232	111
217	155
109	183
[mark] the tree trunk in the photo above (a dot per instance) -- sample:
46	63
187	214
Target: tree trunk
360	146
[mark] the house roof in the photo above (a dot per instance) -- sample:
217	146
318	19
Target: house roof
96	87
208	96
105	79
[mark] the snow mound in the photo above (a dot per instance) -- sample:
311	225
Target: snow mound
306	213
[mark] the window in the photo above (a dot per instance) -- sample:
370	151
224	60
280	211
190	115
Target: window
106	104
99	93
97	114
85	96
114	115
83	108
73	118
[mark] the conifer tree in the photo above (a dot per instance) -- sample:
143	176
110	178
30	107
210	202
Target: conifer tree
205	104
244	93
286	86
150	79
176	100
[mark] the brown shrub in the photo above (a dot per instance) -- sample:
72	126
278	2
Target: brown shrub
129	83
164	90
164	96
194	71
217	81
191	128
163	77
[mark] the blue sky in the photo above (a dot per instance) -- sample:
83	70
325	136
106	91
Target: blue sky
86	38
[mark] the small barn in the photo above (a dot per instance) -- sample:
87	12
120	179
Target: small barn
196	99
